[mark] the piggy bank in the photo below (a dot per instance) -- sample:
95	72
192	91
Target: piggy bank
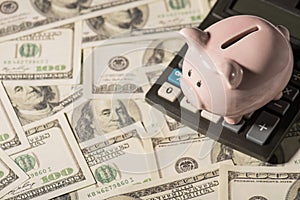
236	66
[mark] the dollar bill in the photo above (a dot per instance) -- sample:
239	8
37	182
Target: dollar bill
180	153
97	117
54	161
262	183
158	16
198	184
11	175
33	103
44	58
12	136
111	159
20	18
118	70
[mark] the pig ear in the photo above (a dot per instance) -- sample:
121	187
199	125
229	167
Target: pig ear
233	73
193	35
284	31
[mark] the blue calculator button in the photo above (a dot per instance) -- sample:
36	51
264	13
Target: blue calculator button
174	77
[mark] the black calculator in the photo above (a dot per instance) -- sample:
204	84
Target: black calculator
258	134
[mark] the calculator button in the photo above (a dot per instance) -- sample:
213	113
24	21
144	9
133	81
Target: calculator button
290	93
280	106
174	77
169	92
187	105
234	127
210	116
262	128
296	78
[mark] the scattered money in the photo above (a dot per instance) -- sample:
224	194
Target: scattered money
54	161
31	60
18	18
148	19
262	183
11	175
74	121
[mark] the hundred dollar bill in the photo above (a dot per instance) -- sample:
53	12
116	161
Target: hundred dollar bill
198	184
18	18
97	117
117	160
118	70
33	103
12	136
158	16
54	162
264	183
44	58
11	175
181	153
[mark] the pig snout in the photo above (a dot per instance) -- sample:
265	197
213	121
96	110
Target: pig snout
190	93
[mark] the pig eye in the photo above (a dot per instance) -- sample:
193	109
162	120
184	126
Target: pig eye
189	72
198	83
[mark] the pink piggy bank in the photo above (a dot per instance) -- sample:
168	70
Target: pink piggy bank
236	66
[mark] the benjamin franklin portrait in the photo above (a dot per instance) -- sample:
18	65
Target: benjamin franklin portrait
118	23
60	8
32	103
162	51
102	116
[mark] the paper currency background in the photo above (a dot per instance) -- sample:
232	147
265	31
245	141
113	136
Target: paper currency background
74	123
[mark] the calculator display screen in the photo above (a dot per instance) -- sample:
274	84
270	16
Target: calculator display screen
275	15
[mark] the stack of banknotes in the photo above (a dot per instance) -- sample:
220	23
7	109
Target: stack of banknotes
74	123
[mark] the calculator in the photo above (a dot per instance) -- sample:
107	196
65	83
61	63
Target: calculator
260	133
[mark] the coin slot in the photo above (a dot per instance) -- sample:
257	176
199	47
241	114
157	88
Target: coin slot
238	37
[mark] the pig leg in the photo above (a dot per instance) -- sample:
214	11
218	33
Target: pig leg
233	120
278	96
